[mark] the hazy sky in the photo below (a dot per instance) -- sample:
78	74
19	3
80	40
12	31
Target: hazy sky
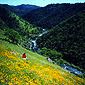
37	2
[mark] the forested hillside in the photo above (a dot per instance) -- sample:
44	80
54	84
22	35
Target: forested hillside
15	28
23	9
68	38
53	14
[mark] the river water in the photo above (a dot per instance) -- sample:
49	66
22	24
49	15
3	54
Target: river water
72	69
33	44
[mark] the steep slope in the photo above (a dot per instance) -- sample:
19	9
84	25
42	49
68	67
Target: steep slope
34	71
2	24
51	15
16	26
68	38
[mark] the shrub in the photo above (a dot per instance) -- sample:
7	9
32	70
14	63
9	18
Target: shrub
52	54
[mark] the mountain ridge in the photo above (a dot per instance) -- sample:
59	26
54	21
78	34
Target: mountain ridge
22	9
53	14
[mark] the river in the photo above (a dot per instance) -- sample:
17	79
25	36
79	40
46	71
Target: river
33	45
69	68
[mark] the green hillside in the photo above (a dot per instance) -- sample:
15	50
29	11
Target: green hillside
36	70
68	38
15	28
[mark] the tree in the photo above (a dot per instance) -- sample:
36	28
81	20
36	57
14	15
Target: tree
52	54
13	36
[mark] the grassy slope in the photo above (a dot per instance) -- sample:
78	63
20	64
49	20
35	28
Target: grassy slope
36	70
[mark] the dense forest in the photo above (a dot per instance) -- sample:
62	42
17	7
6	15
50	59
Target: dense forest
51	15
68	38
15	28
65	24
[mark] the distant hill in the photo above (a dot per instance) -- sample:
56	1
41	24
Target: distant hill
53	14
68	37
24	9
14	25
20	9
